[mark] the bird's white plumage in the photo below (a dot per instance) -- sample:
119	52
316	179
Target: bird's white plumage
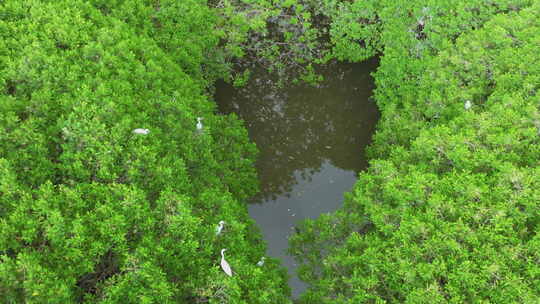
199	124
467	104
141	131
225	265
220	227
261	262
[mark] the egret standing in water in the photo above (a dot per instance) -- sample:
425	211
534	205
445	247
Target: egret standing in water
220	227
224	265
141	131
261	262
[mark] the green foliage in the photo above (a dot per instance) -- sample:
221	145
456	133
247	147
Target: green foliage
289	36
409	50
448	211
285	36
91	212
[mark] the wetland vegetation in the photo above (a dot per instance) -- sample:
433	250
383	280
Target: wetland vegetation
111	191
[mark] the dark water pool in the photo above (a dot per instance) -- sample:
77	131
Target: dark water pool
311	142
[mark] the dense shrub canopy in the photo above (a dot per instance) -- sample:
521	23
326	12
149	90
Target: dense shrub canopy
448	210
89	211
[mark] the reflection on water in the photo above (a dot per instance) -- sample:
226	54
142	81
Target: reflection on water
311	142
322	193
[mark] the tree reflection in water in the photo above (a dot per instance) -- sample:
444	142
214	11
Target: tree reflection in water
299	127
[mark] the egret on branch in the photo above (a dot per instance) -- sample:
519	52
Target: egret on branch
199	124
468	104
261	262
220	227
141	131
224	265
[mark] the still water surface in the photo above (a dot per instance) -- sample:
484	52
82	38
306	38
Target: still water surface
311	142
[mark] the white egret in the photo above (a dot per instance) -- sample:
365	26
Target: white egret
220	227
141	131
467	104
224	265
199	124
261	262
